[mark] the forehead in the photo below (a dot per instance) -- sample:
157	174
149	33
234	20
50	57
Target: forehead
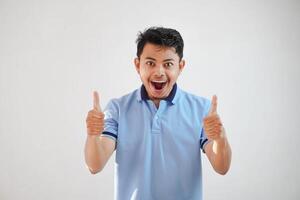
158	52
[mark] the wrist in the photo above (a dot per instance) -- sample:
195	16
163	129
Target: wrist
93	136
222	136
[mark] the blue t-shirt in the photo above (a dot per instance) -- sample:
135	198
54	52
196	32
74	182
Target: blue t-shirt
158	151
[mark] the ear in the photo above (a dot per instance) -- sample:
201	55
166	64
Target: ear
181	65
137	65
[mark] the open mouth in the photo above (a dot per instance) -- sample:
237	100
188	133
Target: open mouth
158	85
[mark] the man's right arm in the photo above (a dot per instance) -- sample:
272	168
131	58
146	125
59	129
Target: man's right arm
97	149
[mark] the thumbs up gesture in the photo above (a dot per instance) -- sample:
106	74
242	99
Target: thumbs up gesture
95	118
212	123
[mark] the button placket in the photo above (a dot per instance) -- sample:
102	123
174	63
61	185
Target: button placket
156	125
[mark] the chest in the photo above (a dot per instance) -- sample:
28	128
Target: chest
167	125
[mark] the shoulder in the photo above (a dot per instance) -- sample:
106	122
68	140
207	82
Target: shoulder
192	105
123	100
197	100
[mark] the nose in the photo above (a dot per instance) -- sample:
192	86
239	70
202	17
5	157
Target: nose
160	71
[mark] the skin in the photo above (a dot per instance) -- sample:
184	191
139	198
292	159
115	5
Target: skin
95	118
97	149
218	151
159	64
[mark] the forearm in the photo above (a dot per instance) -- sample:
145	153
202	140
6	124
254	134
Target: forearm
94	153
221	157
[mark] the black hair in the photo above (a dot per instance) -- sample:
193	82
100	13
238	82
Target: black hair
165	37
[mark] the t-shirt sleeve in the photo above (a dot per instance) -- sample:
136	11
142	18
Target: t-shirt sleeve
203	138
111	118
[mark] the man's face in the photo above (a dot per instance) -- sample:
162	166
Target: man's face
159	69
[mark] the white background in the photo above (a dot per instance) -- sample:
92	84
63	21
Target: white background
53	54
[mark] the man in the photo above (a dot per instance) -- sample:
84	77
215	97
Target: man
158	129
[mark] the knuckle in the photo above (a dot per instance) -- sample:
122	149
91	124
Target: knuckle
90	112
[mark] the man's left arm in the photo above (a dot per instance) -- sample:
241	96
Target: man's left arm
218	150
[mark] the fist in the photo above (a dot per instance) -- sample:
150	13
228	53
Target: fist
212	123
95	118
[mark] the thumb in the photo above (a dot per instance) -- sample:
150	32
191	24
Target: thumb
213	106
96	101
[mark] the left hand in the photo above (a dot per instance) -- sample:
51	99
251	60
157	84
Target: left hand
212	123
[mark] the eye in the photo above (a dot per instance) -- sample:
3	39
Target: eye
150	63
168	64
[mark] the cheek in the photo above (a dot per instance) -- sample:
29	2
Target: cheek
173	76
145	72
144	76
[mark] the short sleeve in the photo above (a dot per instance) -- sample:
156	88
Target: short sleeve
111	118
203	138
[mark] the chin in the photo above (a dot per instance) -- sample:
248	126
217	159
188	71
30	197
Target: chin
157	94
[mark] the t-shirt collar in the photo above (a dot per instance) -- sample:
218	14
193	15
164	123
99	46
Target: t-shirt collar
170	98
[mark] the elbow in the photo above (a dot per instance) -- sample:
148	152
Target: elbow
221	168
222	172
93	166
95	170
224	166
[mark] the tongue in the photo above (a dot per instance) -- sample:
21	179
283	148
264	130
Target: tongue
158	86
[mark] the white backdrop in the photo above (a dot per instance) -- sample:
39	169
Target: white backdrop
53	54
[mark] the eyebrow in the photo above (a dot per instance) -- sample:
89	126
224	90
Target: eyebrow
169	59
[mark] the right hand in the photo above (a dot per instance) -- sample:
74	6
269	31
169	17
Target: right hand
95	118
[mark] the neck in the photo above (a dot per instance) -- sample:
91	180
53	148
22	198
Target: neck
156	102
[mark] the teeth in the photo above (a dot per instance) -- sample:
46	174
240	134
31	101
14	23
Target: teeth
158	81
